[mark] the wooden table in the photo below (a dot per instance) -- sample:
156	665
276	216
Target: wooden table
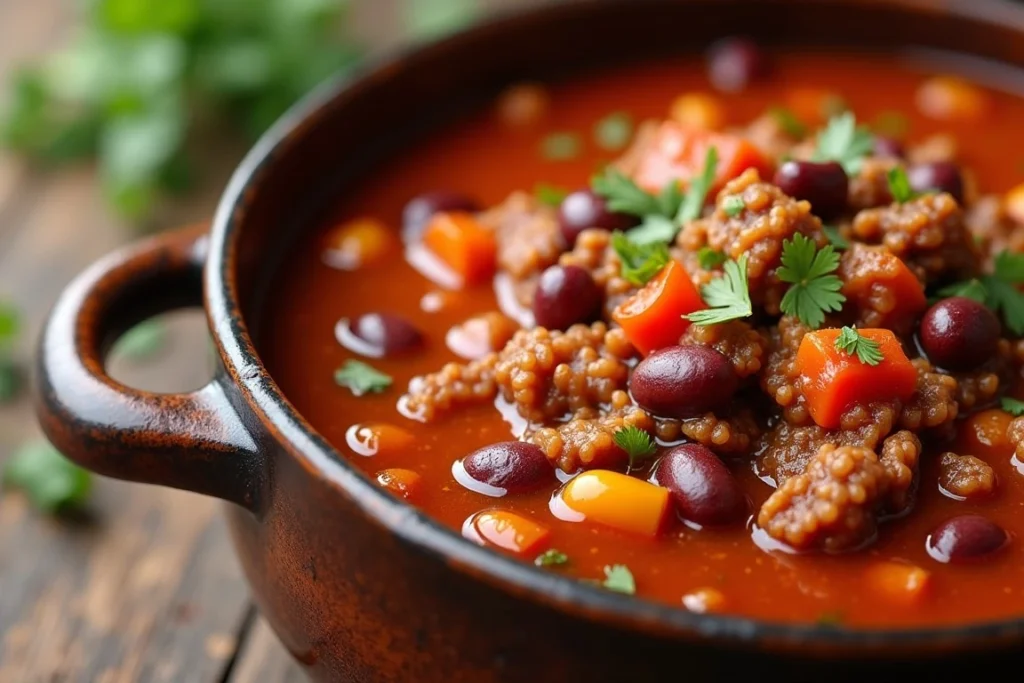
144	587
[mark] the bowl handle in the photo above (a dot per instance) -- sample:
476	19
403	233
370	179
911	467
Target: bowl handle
194	441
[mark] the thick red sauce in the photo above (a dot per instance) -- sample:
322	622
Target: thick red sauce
488	160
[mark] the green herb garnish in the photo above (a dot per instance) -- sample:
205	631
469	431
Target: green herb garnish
835	237
853	343
560	146
727	297
640	262
551	558
360	378
1012	406
618	578
637	444
654	228
696	195
51	481
971	289
614	131
814	286
622	195
710	259
999	291
550	195
429	19
832	106
899	185
788	122
843	141
10	375
891	123
733	205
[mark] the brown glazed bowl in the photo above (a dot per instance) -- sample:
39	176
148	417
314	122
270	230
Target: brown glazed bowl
359	585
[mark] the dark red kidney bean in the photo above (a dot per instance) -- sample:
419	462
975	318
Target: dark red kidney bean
565	295
387	334
734	63
959	333
824	185
941	176
421	208
515	466
889	147
584	209
965	538
683	381
702	487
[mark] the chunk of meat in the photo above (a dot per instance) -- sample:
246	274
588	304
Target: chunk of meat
745	347
588	442
880	290
454	386
979	386
870	186
927	233
966	477
832	506
529	239
934	403
780	379
728	435
993	228
769	217
786	450
901	453
1015	434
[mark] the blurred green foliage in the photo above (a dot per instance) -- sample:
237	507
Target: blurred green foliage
10	377
141	77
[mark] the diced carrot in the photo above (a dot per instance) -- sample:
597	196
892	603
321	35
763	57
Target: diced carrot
984	434
615	500
903	584
463	244
905	291
704	600
698	111
508	531
834	380
814	106
1013	203
358	243
677	153
652	318
402	483
372	439
949	98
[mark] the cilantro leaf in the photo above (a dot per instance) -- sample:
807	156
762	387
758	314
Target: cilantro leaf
1009	267
1004	296
710	259
637	443
551	195
51	481
788	122
999	291
733	205
693	204
10	322
618	578
727	297
899	185
655	228
551	558
622	195
560	146
815	289
640	262
614	131
361	378
843	141
971	289
142	341
1012	406
835	237
854	343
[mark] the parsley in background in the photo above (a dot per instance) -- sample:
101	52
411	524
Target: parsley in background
899	185
1012	406
999	291
640	262
842	140
10	376
49	480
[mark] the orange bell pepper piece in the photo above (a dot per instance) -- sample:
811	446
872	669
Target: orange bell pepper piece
402	483
508	531
907	290
359	243
615	500
652	318
463	244
903	584
677	152
834	380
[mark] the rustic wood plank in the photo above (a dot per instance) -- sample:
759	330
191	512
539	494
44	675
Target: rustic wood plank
263	659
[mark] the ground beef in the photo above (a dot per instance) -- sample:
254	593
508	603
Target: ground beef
593	252
589	442
832	505
993	229
871	301
527	232
928	233
769	217
966	477
454	386
744	346
1015	435
900	455
548	375
781	378
870	186
785	450
727	435
981	385
934	402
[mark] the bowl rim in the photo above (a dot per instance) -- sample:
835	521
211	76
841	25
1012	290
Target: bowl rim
568	595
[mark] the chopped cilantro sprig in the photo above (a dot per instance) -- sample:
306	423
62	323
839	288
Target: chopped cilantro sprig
814	287
640	262
618	578
998	290
727	297
361	378
853	343
637	444
842	140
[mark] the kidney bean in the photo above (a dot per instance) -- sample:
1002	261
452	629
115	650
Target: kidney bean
421	208
565	295
734	63
966	537
702	487
513	466
584	209
959	333
683	381
824	185
940	176
378	334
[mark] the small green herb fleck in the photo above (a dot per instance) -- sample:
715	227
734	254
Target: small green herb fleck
693	202
618	578
1000	291
640	262
654	228
788	122
1012	406
10	373
614	131
836	237
853	343
814	287
551	558
899	185
727	297
843	141
891	123
711	258
971	289
49	480
637	444
733	205
624	196
550	195
360	378
142	341
560	146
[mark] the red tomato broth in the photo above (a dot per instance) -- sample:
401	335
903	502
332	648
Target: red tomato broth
302	353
